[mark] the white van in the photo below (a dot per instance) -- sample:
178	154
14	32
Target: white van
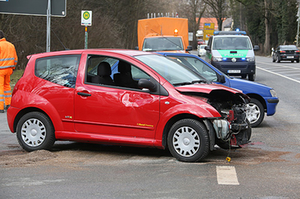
232	53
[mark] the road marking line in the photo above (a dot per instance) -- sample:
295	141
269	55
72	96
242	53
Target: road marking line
226	175
279	75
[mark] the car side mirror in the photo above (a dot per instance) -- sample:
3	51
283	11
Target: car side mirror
144	83
256	47
221	79
189	48
207	48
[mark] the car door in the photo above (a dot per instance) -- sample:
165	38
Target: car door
114	110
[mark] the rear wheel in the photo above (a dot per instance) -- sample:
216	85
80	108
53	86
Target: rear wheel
188	140
255	112
35	132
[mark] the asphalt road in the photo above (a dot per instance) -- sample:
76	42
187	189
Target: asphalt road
267	168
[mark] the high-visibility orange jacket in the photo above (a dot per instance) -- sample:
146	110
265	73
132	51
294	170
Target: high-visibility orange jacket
8	55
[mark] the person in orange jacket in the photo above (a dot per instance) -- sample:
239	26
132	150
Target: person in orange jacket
8	62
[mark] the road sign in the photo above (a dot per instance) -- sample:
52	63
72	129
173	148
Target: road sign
208	30
34	7
86	18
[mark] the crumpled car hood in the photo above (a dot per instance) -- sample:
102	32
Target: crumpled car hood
205	88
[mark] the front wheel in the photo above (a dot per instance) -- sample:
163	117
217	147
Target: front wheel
255	112
251	77
188	140
35	132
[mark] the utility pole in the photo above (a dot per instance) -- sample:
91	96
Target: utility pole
298	20
48	26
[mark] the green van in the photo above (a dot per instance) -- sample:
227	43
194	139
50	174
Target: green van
232	53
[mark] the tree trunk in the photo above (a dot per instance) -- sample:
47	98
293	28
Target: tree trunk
267	28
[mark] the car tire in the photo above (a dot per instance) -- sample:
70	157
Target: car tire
188	140
297	60
273	59
35	131
255	112
251	77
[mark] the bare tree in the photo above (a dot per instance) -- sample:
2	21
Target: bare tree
194	9
218	10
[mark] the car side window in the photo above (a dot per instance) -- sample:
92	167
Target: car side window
108	71
60	70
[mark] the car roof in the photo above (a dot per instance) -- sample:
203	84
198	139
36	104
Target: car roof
79	51
230	35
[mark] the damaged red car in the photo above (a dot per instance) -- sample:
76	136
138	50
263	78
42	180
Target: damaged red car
124	97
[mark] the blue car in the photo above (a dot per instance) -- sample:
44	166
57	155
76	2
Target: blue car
263	98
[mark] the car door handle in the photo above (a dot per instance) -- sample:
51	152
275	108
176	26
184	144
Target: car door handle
84	94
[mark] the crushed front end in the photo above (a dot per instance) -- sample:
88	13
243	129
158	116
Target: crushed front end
232	129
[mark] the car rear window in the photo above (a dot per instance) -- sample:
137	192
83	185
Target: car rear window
60	70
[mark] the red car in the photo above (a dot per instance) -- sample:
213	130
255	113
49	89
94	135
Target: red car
124	97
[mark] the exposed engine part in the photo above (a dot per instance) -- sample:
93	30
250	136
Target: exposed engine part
222	128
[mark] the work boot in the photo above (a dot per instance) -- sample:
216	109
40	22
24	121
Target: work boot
1	111
6	107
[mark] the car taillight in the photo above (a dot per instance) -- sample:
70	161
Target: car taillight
296	51
282	51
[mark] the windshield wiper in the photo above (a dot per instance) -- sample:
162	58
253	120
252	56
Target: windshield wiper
199	81
192	82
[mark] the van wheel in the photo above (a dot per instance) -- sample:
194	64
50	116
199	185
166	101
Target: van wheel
251	77
35	132
188	140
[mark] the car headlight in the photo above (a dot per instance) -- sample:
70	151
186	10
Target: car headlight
250	59
273	93
217	58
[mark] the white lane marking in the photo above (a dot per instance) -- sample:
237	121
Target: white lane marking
226	175
280	75
278	66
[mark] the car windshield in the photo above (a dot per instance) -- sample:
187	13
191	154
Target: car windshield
162	44
198	66
172	71
232	43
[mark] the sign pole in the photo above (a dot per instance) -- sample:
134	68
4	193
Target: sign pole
86	38
48	26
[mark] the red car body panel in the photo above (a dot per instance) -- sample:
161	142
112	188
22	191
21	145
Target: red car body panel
121	116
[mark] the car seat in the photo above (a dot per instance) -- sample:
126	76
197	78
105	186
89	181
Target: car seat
124	77
103	74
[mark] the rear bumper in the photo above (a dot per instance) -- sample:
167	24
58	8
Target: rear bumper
287	57
12	113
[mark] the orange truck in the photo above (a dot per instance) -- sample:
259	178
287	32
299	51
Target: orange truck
163	34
